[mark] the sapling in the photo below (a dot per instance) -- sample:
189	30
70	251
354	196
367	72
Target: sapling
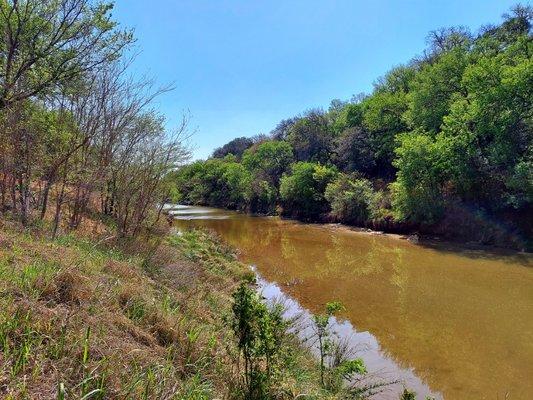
340	369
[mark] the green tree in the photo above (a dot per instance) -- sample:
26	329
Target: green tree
259	331
491	126
269	160
311	137
350	116
352	199
383	112
264	197
432	90
355	151
236	147
418	192
302	191
47	44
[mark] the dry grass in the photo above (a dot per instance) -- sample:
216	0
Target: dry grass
128	320
90	315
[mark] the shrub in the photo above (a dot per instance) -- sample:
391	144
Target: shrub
302	191
259	331
263	197
335	368
352	199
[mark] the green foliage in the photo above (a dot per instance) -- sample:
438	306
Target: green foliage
54	44
418	191
269	160
259	332
492	126
335	369
520	184
350	116
236	147
383	114
302	191
311	137
356	151
352	199
453	126
433	88
215	182
264	197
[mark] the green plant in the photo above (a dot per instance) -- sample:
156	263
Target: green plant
259	331
408	395
302	191
352	199
335	369
92	386
18	340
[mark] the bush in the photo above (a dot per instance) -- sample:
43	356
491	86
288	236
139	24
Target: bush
215	182
259	332
263	197
302	191
352	199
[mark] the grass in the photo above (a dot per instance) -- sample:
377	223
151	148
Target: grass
92	318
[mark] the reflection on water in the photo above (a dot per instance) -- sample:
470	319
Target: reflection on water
455	323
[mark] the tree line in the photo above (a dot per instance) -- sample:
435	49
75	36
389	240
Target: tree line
78	131
447	134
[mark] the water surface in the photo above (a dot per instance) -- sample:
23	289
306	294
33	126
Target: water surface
453	323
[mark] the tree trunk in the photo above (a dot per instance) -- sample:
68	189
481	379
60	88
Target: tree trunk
46	192
57	215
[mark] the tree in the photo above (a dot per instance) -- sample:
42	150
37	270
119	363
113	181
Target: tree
74	125
433	88
350	116
236	181
492	127
355	151
259	331
215	182
264	197
311	137
302	191
448	39
236	147
47	44
281	131
269	160
352	199
418	191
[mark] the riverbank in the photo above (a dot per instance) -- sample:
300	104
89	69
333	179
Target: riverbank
89	315
459	228
430	241
483	234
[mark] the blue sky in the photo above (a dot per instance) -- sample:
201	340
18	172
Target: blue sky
241	66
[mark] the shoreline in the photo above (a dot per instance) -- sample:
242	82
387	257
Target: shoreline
413	237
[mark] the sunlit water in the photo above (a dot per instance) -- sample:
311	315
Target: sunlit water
452	323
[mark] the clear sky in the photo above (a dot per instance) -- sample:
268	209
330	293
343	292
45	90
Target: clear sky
240	66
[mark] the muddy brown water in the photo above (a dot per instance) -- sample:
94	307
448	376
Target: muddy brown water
449	322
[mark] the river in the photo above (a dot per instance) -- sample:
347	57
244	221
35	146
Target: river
449	322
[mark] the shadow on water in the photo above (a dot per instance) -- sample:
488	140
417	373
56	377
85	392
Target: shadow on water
480	252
